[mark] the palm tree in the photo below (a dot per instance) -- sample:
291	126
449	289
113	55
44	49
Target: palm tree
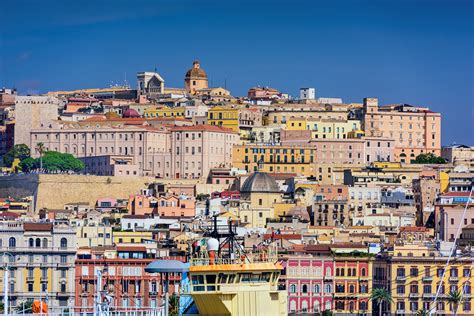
379	296
454	298
422	312
173	308
40	148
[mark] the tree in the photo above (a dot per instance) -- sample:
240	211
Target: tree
422	312
454	298
25	307
429	158
20	151
327	312
40	148
173	307
379	296
28	164
54	161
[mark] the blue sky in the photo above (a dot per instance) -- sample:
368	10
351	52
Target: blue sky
416	52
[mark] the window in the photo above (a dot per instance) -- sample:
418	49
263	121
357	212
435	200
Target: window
304	288
293	288
63	243
12	242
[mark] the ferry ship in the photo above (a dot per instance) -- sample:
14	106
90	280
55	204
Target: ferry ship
236	283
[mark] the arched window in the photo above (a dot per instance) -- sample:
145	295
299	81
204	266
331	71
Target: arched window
45	243
337	272
351	306
31	242
304	289
354	272
363	305
12	242
327	288
63	242
292	306
317	288
363	271
328	271
316	306
38	243
304	306
292	288
351	289
349	272
328	305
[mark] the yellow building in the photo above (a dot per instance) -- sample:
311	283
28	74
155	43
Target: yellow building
165	111
325	128
275	159
131	237
413	275
94	236
224	116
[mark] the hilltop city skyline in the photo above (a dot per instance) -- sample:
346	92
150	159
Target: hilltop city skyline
410	52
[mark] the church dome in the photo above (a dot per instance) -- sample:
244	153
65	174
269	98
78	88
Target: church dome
130	113
260	182
196	72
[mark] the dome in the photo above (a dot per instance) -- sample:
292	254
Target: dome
260	182
196	72
130	113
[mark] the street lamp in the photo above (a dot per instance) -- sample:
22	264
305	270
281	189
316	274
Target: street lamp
5	281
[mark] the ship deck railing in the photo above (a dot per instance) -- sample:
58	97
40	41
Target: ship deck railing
243	259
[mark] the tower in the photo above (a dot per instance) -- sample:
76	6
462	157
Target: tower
195	78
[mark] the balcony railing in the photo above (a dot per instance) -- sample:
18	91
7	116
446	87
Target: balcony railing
414	295
427	279
453	279
401	278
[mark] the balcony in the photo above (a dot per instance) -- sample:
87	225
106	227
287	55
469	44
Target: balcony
400	311
401	278
429	295
414	295
453	279
427	279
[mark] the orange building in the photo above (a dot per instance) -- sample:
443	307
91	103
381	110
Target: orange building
141	204
416	130
176	206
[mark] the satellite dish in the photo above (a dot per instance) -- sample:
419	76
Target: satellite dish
212	244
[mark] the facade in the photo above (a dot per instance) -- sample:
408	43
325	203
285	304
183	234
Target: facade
459	155
297	159
307	94
416	130
413	274
425	191
176	206
125	280
449	214
352	285
150	84
33	112
42	262
310	284
227	117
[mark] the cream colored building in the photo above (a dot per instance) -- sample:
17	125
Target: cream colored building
258	195
42	263
94	236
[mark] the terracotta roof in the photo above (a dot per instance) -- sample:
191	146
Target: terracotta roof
455	194
348	245
204	128
317	248
37	226
413	229
131	248
283	236
9	214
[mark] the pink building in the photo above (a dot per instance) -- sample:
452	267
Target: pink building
416	130
133	147
449	212
176	206
197	149
310	283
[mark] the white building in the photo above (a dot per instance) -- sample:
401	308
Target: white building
307	93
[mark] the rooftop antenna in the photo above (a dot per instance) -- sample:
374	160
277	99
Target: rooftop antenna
225	83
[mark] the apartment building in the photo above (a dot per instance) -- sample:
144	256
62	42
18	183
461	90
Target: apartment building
416	130
413	274
41	262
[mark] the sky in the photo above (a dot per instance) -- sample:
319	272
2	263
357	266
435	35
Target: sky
415	52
